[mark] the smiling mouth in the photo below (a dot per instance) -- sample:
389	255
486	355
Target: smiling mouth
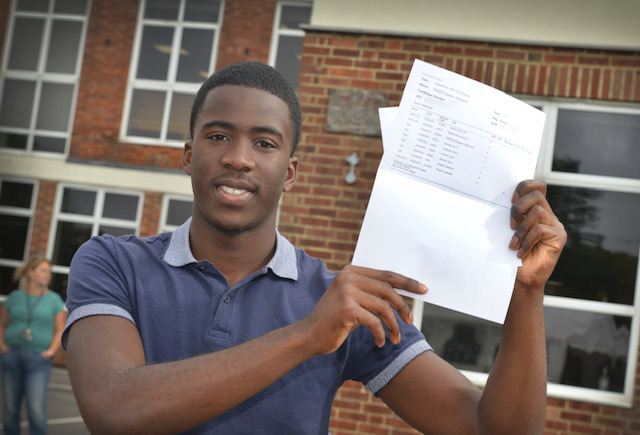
233	190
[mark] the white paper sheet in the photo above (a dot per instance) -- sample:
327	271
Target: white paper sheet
439	211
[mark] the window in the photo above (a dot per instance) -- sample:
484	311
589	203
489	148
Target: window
84	212
40	74
589	158
17	205
288	37
175	211
174	53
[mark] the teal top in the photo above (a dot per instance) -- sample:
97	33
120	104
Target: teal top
43	311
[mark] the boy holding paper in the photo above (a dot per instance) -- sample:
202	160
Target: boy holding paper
224	327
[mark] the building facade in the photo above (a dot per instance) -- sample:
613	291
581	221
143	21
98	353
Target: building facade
94	104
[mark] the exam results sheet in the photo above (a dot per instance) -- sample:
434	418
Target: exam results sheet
454	151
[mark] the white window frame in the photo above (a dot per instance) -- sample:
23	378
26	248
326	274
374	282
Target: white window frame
544	171
163	226
22	212
277	32
41	76
96	220
170	86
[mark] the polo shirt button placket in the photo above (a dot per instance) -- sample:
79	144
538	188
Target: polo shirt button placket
227	299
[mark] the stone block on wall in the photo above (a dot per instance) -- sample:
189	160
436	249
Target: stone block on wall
355	111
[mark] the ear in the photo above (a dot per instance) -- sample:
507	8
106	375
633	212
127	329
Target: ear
292	173
186	157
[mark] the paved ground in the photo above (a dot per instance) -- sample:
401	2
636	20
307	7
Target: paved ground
62	411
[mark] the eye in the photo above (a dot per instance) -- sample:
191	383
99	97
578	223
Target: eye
265	144
217	137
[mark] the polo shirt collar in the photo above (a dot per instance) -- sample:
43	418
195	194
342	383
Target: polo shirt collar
283	263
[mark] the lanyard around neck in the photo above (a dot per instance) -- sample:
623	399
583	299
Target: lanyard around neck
30	310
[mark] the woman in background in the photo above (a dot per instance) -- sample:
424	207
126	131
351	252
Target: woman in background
31	323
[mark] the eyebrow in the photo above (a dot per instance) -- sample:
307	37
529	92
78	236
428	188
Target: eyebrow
231	126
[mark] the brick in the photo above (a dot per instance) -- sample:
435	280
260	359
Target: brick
590	60
447	50
581	429
510	55
574	416
559	58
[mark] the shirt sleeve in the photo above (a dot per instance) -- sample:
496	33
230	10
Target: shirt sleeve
97	283
374	366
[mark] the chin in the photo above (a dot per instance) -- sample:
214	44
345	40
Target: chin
230	228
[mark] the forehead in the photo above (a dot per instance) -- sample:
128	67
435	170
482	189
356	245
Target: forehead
245	107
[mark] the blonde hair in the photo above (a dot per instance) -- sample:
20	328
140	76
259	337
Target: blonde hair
22	272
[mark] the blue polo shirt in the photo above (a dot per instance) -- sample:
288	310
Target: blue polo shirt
183	308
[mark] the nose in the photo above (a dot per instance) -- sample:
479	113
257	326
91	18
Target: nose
239	156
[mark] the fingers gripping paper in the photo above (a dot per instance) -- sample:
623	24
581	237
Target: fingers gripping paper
439	211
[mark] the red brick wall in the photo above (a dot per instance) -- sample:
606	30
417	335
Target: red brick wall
151	211
323	214
246	31
101	94
42	217
245	35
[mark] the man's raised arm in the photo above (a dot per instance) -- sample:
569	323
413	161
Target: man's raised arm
435	398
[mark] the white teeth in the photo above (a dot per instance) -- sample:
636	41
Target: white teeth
232	191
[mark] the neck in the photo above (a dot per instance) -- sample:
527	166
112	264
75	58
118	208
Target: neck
35	289
234	255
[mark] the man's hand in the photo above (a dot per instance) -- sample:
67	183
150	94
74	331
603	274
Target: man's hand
360	296
539	235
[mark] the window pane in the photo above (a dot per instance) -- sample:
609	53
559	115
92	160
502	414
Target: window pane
75	7
14	141
119	206
78	201
49	144
55	107
64	44
33	5
13	236
115	231
600	259
17	102
288	58
178	211
6	280
155	50
25	44
145	118
161	9
69	237
195	55
206	11
14	194
598	143
293	16
466	342
587	349
59	282
180	116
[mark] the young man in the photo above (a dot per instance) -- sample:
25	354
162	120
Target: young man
224	327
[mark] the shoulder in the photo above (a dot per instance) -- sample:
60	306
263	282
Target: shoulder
54	298
122	246
313	267
14	295
313	274
107	241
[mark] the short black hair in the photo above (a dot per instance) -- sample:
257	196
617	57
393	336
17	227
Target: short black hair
253	75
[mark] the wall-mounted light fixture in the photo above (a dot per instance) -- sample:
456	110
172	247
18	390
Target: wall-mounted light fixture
352	160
